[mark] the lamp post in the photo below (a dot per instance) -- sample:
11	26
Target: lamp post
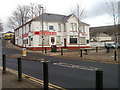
42	33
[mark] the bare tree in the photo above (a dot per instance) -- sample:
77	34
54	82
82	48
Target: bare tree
79	12
23	14
36	9
112	9
19	17
113	12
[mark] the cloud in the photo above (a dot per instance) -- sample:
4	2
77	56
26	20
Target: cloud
101	8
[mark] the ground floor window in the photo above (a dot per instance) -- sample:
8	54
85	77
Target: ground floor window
82	40
46	40
73	40
25	41
58	40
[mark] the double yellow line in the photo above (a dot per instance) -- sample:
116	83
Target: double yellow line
38	81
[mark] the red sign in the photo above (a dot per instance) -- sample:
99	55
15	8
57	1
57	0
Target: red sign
25	35
44	33
84	34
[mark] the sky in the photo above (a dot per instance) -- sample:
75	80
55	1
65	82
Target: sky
95	10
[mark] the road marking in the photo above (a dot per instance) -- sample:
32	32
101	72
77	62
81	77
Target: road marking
75	66
36	80
89	60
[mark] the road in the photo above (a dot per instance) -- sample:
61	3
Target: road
63	76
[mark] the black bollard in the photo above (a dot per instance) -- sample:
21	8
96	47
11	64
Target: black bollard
99	79
80	53
4	63
86	52
45	74
19	69
115	55
61	51
45	50
96	49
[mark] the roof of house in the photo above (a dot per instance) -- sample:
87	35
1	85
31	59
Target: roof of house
103	35
52	18
104	29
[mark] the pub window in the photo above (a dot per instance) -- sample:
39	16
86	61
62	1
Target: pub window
51	28
71	26
59	27
73	40
46	39
31	39
82	40
75	27
58	39
87	41
52	39
83	28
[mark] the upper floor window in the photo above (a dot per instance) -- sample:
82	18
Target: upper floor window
73	27
51	27
59	27
83	29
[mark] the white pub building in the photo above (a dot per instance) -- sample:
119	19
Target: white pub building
59	30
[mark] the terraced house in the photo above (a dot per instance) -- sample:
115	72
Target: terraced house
52	29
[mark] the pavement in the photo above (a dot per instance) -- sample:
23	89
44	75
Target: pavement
9	79
101	56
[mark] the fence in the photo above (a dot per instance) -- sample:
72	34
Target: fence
98	71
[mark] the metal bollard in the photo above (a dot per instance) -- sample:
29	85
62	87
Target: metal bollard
80	53
99	79
96	49
4	63
61	51
115	56
19	69
45	74
45	50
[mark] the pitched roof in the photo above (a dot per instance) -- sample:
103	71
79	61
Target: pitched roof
52	17
104	29
102	35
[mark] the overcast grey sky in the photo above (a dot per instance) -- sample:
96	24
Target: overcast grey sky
96	11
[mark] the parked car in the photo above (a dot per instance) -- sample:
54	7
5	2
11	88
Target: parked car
109	45
118	45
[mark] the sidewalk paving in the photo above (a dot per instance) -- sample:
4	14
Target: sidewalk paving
100	56
10	80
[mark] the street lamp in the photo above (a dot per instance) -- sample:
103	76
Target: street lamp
42	32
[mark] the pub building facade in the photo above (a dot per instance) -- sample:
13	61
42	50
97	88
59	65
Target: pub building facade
52	29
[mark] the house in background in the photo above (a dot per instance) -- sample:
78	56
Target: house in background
103	34
59	30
